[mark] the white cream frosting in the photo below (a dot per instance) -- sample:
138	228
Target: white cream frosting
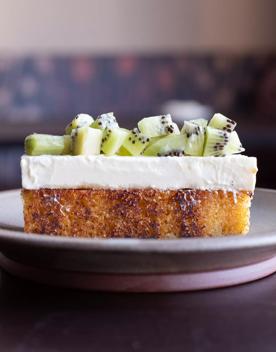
236	172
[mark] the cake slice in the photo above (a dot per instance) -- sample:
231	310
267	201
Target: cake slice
162	192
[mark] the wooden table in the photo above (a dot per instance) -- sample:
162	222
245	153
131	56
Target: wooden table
40	318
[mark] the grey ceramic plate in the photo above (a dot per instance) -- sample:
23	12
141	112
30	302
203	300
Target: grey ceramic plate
127	256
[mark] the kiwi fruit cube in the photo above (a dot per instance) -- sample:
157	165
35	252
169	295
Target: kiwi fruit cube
86	141
194	135
112	140
136	142
200	122
104	121
155	126
80	120
234	145
171	145
222	122
46	144
215	142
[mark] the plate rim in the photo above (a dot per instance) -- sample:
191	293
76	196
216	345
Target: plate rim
183	245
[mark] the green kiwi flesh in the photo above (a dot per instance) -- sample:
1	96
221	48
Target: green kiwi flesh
123	152
155	126
222	122
200	122
45	144
221	143
112	140
136	142
194	138
80	120
171	145
86	141
234	145
104	121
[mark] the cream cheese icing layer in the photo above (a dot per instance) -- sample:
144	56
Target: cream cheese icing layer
230	173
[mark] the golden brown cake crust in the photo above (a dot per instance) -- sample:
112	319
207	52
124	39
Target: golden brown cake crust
136	213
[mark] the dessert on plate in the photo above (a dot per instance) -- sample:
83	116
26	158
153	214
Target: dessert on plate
155	181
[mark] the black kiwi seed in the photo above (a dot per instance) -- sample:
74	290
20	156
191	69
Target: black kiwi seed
129	138
133	142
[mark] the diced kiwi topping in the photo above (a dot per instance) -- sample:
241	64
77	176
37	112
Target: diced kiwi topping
113	139
171	145
194	136
157	126
136	142
221	143
103	121
154	136
123	152
86	141
38	144
222	122
80	120
200	122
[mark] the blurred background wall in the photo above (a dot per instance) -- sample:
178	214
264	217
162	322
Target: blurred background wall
61	57
144	26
